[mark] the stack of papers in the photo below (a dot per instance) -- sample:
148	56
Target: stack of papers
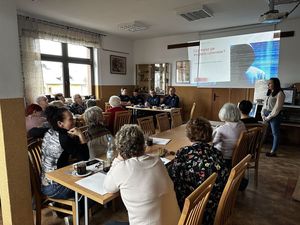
94	183
160	141
165	160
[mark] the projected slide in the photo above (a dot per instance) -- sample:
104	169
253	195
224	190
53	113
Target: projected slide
240	60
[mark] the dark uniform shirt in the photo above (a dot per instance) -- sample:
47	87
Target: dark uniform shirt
171	101
124	98
136	100
77	109
154	101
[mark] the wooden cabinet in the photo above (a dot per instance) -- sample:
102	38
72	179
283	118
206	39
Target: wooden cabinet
153	76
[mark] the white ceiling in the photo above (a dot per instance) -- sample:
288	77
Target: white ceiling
160	15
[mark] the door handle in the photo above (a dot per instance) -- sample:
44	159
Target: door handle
215	96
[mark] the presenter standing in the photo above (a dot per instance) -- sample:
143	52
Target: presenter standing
270	112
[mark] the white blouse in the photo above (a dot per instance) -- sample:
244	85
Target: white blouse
146	190
273	105
226	136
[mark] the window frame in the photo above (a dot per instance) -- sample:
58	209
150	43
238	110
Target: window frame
65	60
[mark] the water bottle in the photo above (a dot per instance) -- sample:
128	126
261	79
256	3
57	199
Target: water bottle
110	150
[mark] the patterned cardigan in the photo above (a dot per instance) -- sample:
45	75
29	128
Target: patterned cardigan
191	166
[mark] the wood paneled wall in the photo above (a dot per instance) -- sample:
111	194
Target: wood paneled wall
104	92
210	100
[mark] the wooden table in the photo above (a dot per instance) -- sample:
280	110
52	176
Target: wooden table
177	136
64	177
158	109
178	139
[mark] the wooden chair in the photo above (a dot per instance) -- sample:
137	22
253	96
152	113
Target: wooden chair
194	205
228	198
163	122
256	150
244	145
121	118
192	110
176	118
106	118
42	201
147	125
107	106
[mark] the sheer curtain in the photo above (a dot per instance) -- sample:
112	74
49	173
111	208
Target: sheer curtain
30	31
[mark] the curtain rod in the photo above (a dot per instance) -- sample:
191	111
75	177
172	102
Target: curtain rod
236	28
61	25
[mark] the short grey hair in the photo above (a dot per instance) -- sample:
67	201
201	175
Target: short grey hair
41	98
229	113
93	116
130	141
57	103
114	101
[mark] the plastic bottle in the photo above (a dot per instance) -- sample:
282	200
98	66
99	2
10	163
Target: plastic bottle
110	150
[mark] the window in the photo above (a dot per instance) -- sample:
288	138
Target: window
67	68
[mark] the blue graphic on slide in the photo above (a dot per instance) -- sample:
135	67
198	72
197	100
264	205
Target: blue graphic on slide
266	61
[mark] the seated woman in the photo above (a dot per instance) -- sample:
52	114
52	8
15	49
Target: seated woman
115	103
61	142
194	164
36	123
78	107
146	189
226	136
34	117
97	134
245	108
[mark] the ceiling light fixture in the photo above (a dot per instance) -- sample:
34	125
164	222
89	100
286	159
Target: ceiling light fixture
134	26
194	12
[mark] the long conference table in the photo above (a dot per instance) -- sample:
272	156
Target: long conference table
64	177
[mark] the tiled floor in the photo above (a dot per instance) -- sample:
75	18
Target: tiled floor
269	204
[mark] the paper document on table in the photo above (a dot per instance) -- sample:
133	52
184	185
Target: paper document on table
160	141
165	160
94	183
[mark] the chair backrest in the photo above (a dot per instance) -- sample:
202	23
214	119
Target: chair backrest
147	125
228	198
163	122
121	118
176	118
106	118
107	106
35	165
245	145
193	110
261	135
194	205
260	138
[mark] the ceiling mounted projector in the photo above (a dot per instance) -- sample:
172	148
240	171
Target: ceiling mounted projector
273	16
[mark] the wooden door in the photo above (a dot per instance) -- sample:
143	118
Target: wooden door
237	95
219	97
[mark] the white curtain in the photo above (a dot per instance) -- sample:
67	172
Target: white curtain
30	31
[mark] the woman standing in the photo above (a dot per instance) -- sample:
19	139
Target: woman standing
271	111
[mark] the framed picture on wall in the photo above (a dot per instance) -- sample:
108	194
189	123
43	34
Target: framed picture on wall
117	64
183	72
